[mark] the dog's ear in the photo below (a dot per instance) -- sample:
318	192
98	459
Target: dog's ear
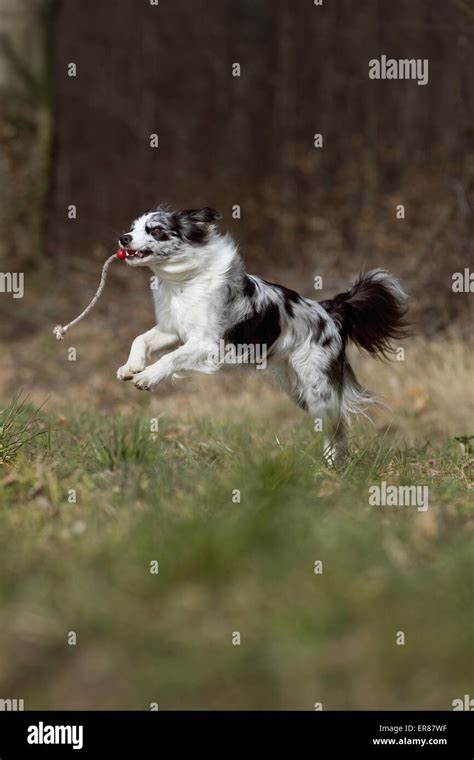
203	215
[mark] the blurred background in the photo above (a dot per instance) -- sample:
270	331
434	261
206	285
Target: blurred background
166	69
76	166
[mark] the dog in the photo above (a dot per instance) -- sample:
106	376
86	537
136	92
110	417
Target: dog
205	299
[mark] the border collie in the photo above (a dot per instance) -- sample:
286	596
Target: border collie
204	299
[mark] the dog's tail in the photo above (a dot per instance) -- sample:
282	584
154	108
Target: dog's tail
372	313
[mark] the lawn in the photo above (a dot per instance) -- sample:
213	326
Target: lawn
215	563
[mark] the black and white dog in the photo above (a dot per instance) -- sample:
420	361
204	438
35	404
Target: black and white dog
205	299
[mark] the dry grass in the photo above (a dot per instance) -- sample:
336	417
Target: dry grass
428	394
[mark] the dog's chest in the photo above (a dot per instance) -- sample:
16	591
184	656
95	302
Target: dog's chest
180	310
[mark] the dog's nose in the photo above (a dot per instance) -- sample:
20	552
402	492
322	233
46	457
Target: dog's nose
125	240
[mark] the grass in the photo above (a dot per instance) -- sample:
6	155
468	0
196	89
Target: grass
18	428
236	514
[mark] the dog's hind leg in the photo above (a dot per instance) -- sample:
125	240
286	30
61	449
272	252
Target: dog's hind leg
287	379
324	406
317	393
335	446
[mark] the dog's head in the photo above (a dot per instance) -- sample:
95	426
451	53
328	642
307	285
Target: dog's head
162	234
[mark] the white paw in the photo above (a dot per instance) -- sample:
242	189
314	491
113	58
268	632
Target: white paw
145	381
127	371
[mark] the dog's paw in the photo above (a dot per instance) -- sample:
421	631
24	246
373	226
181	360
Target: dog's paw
129	370
145	381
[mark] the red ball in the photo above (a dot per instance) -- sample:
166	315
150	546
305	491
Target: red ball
121	254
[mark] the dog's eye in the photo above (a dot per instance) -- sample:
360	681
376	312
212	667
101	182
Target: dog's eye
158	232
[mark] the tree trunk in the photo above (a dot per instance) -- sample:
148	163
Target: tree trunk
25	125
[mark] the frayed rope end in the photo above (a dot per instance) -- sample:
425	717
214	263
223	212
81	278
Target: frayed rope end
59	332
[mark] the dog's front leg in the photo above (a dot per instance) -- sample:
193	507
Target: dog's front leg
196	355
142	347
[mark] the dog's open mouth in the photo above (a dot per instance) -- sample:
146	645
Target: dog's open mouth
138	254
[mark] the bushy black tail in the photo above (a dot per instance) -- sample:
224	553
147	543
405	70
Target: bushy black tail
372	313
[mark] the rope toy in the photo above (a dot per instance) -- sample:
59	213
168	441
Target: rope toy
60	330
